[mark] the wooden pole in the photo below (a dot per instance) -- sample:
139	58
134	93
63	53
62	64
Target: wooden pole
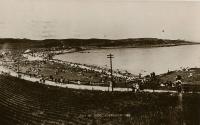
110	56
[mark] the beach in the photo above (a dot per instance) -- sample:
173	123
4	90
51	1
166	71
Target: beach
38	66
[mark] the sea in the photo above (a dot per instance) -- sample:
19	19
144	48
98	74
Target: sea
139	60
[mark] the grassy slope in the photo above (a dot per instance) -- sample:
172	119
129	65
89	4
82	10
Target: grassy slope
26	102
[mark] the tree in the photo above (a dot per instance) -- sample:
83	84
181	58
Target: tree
178	77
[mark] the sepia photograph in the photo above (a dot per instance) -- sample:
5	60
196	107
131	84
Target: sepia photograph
99	62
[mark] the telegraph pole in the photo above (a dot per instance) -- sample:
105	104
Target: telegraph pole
110	56
18	63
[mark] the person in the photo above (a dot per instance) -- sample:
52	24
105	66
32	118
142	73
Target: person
190	75
51	77
140	76
179	86
179	83
135	87
79	82
110	85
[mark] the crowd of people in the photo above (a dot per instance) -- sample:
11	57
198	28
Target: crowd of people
58	71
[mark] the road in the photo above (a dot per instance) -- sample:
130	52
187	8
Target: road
74	86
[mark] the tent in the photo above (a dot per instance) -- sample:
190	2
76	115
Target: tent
27	51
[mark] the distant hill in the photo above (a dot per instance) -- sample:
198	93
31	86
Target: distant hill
99	43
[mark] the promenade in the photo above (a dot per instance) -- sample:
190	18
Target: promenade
74	86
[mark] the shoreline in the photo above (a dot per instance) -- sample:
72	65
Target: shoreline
119	47
82	49
85	48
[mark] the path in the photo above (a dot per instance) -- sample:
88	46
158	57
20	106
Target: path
75	86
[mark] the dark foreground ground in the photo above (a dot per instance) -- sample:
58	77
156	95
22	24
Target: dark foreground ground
23	102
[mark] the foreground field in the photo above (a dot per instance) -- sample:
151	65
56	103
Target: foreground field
23	102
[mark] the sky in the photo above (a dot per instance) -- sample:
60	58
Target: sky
110	19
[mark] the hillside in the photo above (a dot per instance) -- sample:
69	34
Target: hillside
48	43
23	102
